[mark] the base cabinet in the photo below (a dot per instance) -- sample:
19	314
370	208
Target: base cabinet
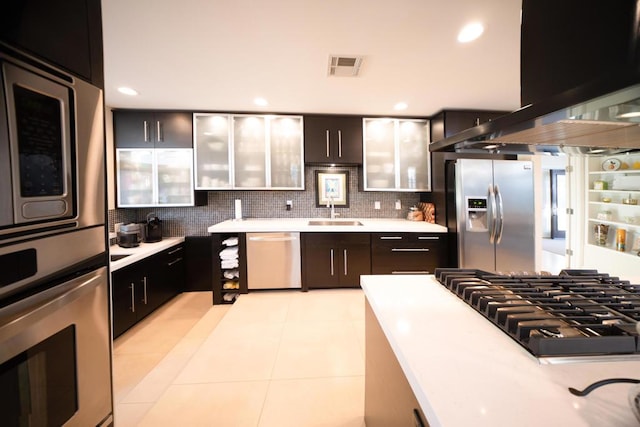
408	253
139	289
335	260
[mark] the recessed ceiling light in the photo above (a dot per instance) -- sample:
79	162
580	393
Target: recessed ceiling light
127	91
261	102
400	106
470	32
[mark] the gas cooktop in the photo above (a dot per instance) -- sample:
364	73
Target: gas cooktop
574	313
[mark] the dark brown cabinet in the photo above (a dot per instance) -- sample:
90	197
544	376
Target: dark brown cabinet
152	129
450	122
139	289
67	33
408	253
332	139
334	260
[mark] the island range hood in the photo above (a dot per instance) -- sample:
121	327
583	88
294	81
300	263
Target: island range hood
580	83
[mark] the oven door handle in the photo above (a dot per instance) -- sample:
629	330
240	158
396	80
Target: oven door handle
40	305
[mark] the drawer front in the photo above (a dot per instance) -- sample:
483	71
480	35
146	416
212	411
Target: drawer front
407	253
405	262
407	240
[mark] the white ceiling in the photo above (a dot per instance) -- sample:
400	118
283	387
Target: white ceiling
219	55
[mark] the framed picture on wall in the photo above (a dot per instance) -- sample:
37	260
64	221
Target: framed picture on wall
332	186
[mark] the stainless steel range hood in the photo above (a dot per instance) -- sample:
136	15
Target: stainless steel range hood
580	83
589	125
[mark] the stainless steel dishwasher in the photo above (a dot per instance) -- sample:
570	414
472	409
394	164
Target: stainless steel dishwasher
273	261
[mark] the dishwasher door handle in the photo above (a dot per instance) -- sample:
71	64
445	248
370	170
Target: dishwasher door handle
273	239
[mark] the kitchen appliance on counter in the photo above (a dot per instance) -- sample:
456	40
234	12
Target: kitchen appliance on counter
273	261
494	214
55	341
129	235
152	229
557	317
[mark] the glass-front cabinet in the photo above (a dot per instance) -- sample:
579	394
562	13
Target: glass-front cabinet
212	142
396	154
248	152
160	177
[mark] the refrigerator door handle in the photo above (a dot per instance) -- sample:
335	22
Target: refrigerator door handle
500	223
492	215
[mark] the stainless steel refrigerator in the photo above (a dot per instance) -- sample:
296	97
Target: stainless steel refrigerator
495	214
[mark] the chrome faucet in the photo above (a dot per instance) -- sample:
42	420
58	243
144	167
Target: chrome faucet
331	204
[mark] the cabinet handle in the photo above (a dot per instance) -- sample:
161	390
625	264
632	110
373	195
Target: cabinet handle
133	298
145	127
160	136
344	255
390	237
144	287
332	271
327	136
411	272
174	261
340	143
175	250
428	238
410	250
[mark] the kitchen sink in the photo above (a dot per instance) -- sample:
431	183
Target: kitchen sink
335	222
117	257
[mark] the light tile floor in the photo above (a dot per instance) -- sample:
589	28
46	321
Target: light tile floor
273	358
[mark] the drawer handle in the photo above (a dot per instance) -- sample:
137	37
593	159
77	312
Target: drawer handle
175	250
428	238
411	272
390	237
410	250
174	261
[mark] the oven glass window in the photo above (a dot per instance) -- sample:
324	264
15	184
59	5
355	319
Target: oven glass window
38	387
40	143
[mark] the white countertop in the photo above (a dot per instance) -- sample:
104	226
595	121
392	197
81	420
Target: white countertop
302	225
140	252
465	371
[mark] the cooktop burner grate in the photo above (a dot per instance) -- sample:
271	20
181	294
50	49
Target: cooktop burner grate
574	313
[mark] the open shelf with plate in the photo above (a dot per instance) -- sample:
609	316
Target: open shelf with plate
613	203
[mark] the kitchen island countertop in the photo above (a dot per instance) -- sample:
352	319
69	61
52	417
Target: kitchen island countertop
464	371
302	225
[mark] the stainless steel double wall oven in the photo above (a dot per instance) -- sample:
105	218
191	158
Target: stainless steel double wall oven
55	366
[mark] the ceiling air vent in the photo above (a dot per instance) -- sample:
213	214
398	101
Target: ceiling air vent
344	66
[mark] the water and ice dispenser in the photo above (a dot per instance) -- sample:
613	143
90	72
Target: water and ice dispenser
476	214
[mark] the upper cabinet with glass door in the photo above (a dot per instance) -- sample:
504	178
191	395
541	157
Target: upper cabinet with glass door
162	177
251	152
396	155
